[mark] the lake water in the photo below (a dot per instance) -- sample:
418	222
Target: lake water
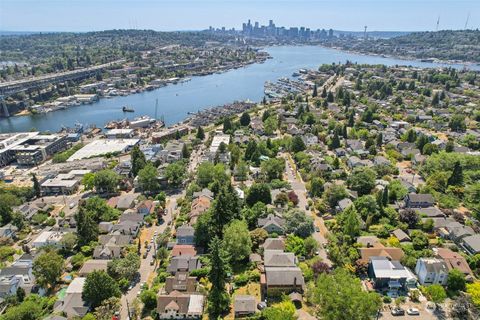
175	101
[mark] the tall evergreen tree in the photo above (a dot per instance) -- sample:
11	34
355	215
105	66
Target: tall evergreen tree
245	119
200	133
218	299
351	119
385	196
36	185
314	93
456	179
225	208
335	143
138	160
324	92
87	227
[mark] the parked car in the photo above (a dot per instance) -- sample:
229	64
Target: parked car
413	312
152	262
145	254
397	311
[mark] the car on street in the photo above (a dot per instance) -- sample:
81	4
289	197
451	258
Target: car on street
145	254
317	229
152	262
413	312
397	311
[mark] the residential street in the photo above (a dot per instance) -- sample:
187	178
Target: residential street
298	185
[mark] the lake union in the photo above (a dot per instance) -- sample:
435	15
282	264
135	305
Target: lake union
175	101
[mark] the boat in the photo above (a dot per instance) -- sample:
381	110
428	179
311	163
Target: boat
127	109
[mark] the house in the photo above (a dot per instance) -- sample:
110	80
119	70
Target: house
199	206
18	275
204	193
183	263
343	204
244	305
388	274
146	207
310	139
431	271
52	238
107	252
369	241
388	252
185	235
418	159
180	282
276	258
272	224
381	161
72	304
93	265
472	244
8	231
415	200
183	250
178	305
453	260
282	280
430	212
401	235
130	228
274	244
126	201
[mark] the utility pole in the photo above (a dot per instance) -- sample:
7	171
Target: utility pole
365	33
466	22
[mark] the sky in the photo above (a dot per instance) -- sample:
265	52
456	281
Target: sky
167	15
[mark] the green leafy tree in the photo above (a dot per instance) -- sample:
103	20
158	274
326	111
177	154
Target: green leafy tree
335	141
147	179
138	160
298	223
237	240
349	221
362	180
175	173
36	185
273	168
270	125
245	119
227	125
456	179
258	192
88	181
436	293
149	299
106	181
87	226
226	208
99	286
457	123
419	240
48	268
124	268
6	213
456	280
311	246
339	296
30	309
297	144
334	193
295	244
218	299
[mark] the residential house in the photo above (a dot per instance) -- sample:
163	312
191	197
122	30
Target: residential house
8	231
199	206
453	260
18	275
430	212
244	305
401	235
183	250
310	139
72	304
178	305
93	265
126	201
180	282
52	238
183	263
369	241
276	258
388	274
343	204
431	271
185	235
274	244
388	252
414	200
282	280
146	207
272	224
472	244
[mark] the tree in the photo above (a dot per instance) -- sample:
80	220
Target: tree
225	208
245	119
295	244
218	299
124	268
410	217
175	173
385	198
138	160
316	186
69	241
456	179
284	310
273	168
48	268
464	309
314	93
241	171
88	181
227	125
297	144
237	240
87	226
319	267
334	193
147	179
456	280
419	239
297	222
106	181
149	299
30	309
185	151
258	192
258	236
340	296
99	286
208	172
200	133
270	125
436	293
349	221
36	185
6	213
457	123
362	180
330	97
335	142
473	289
20	294
311	246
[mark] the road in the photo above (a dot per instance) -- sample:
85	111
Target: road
298	185
147	271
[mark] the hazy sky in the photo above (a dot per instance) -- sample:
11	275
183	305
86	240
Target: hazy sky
85	15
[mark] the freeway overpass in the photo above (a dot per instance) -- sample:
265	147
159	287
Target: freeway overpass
12	87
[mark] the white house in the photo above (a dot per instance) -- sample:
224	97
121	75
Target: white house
431	271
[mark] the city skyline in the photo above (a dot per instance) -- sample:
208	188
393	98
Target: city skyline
167	15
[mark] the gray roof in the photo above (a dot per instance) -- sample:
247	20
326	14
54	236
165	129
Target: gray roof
185	231
284	276
401	235
125	201
473	242
431	212
435	265
276	258
271	219
384	268
421	197
245	303
274	244
183	262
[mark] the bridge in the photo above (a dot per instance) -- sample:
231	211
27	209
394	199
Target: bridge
12	87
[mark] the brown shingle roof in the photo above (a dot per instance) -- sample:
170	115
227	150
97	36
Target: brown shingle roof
391	253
